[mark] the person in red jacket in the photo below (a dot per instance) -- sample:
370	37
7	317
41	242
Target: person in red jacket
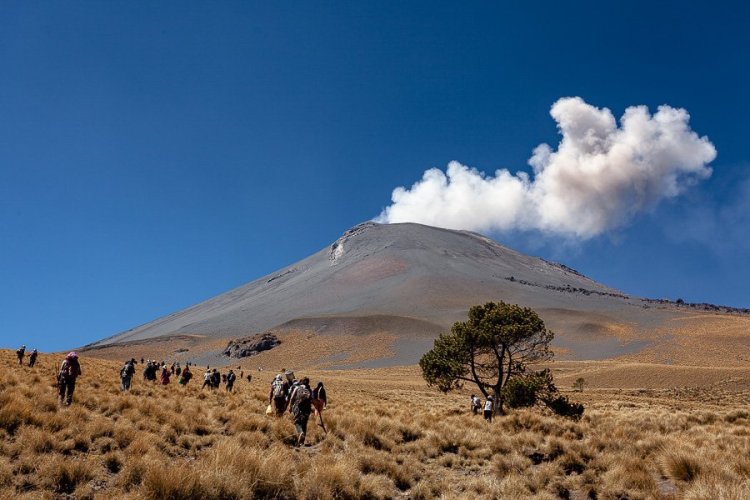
164	375
70	370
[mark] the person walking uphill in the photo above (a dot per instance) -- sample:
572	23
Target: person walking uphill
32	358
300	406
126	375
277	396
231	377
489	407
20	352
165	373
186	376
70	370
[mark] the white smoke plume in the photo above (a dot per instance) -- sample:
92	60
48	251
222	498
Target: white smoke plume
597	179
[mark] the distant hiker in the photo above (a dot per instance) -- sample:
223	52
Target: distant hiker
141	360
171	369
489	405
300	406
165	375
126	375
70	369
177	370
206	379
224	378
32	358
20	352
277	396
186	376
215	379
249	377
231	377
319	402
476	403
242	372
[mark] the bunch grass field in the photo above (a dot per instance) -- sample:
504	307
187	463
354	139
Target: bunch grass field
389	436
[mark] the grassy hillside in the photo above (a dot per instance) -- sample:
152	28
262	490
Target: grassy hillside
389	436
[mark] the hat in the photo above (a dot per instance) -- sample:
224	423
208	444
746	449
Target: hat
72	355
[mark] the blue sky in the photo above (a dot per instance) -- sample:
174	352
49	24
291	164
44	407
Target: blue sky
153	155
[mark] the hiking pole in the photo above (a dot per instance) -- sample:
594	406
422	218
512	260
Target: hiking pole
320	417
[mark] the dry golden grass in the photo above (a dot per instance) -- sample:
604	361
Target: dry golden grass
389	436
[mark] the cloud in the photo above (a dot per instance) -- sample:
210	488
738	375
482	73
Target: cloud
599	177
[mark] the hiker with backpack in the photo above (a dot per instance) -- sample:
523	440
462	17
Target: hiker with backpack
186	376
126	375
32	358
231	377
20	353
70	370
300	406
215	379
164	379
278	394
489	406
177	369
476	403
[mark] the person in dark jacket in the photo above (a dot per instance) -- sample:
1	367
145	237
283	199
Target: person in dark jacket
231	377
126	375
70	370
32	358
20	353
215	379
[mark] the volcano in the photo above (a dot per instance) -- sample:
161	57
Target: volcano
412	282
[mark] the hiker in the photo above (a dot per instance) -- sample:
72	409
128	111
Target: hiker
20	352
319	402
186	376
177	369
126	375
141	359
242	372
476	403
164	379
215	379
249	377
488	407
320	399
230	380
300	406
32	358
70	369
149	373
277	396
206	379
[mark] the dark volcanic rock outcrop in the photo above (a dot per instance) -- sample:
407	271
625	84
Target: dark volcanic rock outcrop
249	346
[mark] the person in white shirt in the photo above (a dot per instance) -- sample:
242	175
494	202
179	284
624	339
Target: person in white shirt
488	407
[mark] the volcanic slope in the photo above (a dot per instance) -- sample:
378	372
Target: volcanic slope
409	282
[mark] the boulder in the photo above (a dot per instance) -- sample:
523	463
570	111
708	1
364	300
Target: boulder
249	346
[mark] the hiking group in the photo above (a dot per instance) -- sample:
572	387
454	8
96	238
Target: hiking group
21	352
296	396
287	392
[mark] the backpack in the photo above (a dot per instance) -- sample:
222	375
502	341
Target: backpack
231	377
124	371
278	389
302	401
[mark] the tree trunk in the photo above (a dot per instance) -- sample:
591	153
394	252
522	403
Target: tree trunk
497	396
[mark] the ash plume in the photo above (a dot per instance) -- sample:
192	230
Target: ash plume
600	176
